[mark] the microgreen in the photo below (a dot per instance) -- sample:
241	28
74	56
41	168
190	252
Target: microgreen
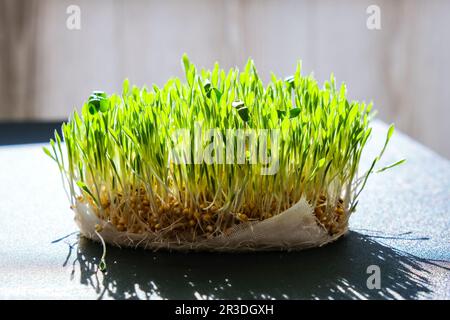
117	148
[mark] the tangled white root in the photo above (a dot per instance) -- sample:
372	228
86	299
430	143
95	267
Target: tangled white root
296	228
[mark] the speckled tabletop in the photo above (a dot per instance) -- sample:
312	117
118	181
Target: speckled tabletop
401	225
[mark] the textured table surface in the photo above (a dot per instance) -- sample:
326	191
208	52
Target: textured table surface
402	226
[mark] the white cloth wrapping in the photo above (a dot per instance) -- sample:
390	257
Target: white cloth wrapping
296	228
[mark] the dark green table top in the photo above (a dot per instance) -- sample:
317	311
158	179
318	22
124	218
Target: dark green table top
401	225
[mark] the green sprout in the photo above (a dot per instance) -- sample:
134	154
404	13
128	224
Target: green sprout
118	149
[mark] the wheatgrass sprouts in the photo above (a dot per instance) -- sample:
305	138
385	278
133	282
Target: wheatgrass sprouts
119	152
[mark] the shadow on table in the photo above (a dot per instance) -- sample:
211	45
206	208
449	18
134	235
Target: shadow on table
337	271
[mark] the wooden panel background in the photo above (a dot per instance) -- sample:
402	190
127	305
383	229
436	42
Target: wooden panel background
47	70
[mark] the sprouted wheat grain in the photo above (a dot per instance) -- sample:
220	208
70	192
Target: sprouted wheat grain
124	188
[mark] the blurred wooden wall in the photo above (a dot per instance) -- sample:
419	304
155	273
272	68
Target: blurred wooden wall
47	70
